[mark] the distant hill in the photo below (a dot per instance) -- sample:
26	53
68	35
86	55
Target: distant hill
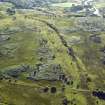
32	3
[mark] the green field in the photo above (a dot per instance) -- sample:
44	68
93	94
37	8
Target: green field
100	5
62	4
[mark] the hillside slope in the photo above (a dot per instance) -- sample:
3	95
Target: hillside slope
32	3
47	59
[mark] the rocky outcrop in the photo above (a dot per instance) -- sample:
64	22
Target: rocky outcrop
50	72
95	38
16	71
8	50
89	24
4	38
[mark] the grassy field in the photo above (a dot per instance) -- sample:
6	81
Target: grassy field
100	5
62	4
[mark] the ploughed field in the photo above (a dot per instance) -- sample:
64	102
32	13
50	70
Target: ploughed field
50	59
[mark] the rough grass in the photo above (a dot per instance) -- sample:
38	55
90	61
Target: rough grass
100	5
22	94
26	43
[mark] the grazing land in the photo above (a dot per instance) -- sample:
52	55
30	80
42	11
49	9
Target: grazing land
51	57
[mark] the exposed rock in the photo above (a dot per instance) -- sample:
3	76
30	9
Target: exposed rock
95	38
62	77
16	71
89	24
13	29
4	38
43	42
103	49
8	50
10	11
103	60
43	50
49	72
